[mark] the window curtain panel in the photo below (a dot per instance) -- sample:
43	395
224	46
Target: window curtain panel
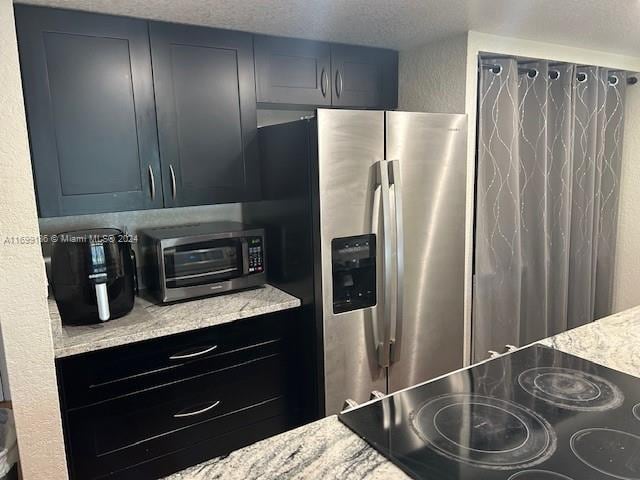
547	187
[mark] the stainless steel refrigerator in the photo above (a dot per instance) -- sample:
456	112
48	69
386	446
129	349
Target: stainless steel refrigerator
384	196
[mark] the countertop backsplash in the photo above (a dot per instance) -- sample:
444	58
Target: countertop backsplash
133	221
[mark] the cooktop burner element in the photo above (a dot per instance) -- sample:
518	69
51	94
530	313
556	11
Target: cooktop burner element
612	452
534	414
571	389
538	475
484	431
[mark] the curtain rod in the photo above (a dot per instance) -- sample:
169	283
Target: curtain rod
496	69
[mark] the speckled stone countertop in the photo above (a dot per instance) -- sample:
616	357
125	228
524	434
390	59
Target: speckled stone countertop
326	449
612	341
148	320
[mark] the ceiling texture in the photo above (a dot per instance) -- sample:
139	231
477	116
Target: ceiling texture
608	25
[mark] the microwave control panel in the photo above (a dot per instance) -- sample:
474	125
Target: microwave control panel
255	254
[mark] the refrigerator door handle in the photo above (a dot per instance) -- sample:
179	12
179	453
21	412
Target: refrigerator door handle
395	321
377	314
382	347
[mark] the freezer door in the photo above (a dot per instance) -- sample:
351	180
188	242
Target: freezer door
428	152
350	148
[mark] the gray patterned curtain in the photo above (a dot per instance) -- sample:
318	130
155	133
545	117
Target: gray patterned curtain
549	151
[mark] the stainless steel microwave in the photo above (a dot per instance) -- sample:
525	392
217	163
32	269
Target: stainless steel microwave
196	260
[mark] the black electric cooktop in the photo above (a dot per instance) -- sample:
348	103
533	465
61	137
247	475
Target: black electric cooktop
536	414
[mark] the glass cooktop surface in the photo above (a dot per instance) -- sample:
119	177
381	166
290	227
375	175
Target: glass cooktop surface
535	414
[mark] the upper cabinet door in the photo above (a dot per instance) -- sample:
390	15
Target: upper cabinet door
89	99
292	71
364	77
206	106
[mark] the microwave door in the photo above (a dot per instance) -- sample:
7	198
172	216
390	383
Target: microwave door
205	274
199	264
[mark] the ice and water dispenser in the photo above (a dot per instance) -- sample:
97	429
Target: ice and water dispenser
353	262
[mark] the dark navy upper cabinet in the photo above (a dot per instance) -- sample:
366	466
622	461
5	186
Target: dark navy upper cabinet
303	72
291	71
126	114
90	108
364	77
206	106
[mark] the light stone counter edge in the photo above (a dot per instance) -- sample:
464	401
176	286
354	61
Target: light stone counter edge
148	320
326	449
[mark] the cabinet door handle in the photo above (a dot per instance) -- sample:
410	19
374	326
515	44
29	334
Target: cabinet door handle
173	182
182	413
338	83
182	356
152	183
324	82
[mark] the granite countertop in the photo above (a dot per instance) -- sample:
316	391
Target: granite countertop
149	320
326	449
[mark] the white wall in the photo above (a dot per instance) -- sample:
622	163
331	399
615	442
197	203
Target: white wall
431	78
5	393
24	319
626	287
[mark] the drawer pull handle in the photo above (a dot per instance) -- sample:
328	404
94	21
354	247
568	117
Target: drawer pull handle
196	412
182	356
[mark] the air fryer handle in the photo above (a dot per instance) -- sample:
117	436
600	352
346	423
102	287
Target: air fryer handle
135	272
102	300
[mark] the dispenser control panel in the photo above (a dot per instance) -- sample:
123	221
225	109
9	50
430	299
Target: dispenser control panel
353	262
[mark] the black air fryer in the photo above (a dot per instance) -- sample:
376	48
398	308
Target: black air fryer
92	276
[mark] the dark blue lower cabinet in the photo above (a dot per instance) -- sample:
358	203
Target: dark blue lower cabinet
196	408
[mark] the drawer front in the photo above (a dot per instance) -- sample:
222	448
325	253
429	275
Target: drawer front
210	448
120	433
99	376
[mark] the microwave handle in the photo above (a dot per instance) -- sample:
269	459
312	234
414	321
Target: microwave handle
245	256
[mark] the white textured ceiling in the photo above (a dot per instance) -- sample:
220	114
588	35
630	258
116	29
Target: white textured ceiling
610	25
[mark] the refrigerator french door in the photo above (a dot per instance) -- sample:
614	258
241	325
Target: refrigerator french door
391	197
